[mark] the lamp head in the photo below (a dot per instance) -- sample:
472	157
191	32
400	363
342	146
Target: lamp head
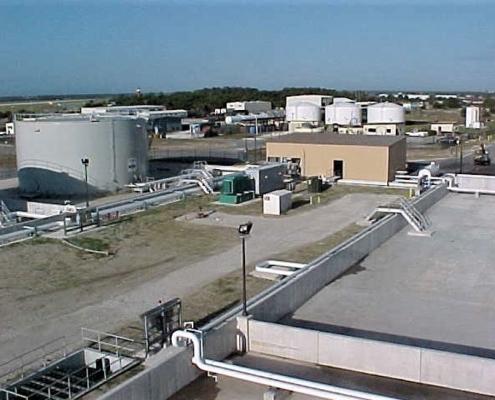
85	161
244	229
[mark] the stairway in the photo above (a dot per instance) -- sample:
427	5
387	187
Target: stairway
420	222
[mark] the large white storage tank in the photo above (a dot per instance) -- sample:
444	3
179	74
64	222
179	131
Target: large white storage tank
347	114
386	113
50	149
303	112
473	117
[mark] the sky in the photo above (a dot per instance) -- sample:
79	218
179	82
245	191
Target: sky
116	46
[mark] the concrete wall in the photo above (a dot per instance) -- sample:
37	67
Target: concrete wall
474	182
415	364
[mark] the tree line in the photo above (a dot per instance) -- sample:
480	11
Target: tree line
205	101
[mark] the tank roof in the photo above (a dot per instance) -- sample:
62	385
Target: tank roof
71	117
385	105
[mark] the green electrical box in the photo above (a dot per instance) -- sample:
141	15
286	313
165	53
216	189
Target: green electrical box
237	189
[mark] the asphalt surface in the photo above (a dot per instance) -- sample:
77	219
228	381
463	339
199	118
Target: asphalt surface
453	165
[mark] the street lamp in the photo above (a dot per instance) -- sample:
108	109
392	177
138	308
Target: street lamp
85	162
244	230
255	138
459	143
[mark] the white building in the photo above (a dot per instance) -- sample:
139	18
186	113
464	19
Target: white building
443	127
249	107
121	110
316	99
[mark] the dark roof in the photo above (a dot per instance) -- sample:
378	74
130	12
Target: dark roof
339	139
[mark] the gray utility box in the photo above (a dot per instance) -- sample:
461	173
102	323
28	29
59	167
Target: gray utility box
267	177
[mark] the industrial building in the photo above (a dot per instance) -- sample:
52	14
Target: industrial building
51	148
121	110
316	99
248	107
160	119
360	159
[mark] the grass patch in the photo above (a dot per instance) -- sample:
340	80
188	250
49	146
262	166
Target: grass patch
8	161
90	243
308	253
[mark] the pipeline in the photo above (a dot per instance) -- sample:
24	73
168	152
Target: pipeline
270	379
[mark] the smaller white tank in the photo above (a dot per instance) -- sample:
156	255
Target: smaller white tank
386	113
472	117
304	112
346	114
340	100
430	170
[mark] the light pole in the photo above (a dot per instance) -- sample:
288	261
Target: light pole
85	162
459	143
244	230
255	137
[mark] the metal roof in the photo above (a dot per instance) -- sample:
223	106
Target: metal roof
340	140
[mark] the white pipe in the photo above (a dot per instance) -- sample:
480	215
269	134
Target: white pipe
468	190
268	378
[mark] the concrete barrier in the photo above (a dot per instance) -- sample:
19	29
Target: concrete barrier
410	363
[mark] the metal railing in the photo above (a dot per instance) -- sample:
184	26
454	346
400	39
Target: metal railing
34	359
49	378
110	343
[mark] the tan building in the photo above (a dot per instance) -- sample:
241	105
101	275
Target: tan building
355	158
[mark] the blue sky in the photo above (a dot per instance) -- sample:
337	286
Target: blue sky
114	46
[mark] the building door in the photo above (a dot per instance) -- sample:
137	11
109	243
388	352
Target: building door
338	168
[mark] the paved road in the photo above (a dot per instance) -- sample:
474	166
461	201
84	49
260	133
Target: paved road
269	236
453	165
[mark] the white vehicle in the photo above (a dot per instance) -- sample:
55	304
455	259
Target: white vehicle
417	133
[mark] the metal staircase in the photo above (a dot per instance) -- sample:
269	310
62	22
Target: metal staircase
202	177
420	222
6	218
